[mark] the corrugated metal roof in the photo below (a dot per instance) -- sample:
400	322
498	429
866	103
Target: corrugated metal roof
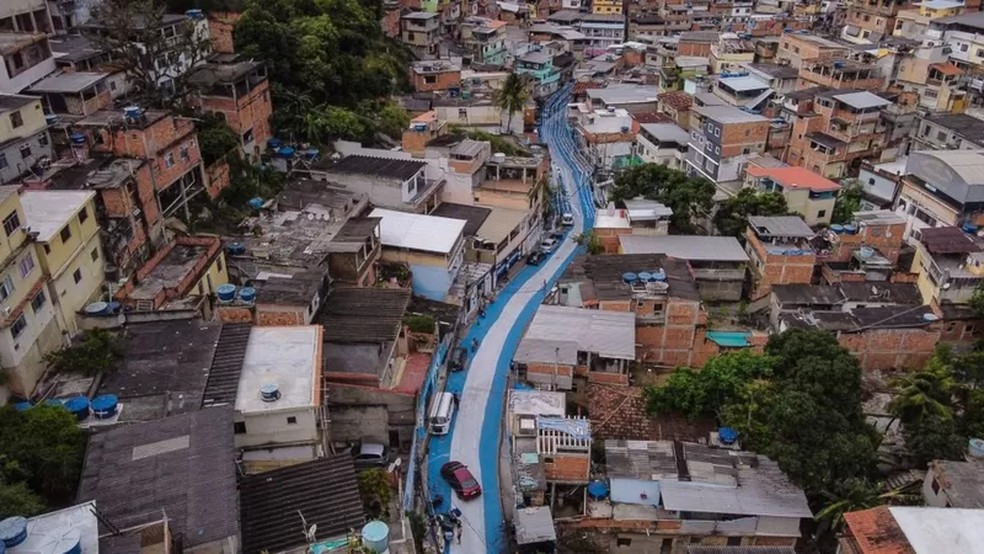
418	232
780	226
227	363
862	100
686	247
559	332
534	525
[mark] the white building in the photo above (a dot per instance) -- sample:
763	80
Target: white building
279	413
25	58
662	143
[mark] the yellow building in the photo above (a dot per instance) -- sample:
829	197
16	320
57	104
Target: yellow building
24	136
27	313
66	233
607	7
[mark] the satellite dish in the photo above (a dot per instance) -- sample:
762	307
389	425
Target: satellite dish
311	533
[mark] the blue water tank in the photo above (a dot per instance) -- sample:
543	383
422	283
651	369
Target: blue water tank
598	490
969	227
247	294
285	152
838	229
236	248
645	276
727	435
659	275
850	228
866	252
132	112
629	277
77	138
13	531
226	292
195	14
23	406
105	406
255	203
375	536
273	143
78	406
311	154
115	307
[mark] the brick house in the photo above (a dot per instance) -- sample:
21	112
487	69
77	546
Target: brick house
220	27
240	92
428	76
167	143
659	291
723	138
74	93
780	252
187	266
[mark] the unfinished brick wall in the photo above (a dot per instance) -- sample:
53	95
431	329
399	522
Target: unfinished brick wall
777	269
218	178
279	316
886	238
251	111
672	342
220	28
430	82
545	373
887	349
234	314
735	137
567	467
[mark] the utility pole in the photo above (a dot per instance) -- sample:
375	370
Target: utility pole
625	16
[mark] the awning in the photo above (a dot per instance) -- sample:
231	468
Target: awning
729	339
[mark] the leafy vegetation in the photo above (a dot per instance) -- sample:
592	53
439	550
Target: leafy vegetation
420	323
499	143
688	197
848	201
325	58
732	215
512	97
96	352
215	138
591	242
376	492
41	452
799	404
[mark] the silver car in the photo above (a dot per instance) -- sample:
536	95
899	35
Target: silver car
371	454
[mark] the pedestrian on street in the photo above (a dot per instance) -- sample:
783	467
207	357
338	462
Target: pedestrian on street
457	533
457	399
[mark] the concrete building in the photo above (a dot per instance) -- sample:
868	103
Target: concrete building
631	98
941	187
484	40
871	19
601	31
187	269
609	137
432	247
719	264
691	485
808	194
722	139
24	138
26	59
833	131
240	91
780	252
354	252
948	131
68	247
74	93
796	48
29	16
431	75
953	484
950	264
912	529
563	342
389	183
663	143
743	91
28	330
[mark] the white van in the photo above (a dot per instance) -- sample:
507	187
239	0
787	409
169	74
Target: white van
567	220
441	414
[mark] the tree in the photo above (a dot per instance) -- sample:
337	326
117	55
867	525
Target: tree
848	202
216	139
591	242
16	499
976	301
732	214
374	487
512	97
924	394
97	351
156	63
934	437
43	448
858	494
688	197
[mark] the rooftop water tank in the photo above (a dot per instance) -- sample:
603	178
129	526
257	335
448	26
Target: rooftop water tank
226	292
285	152
115	307
598	490
51	119
375	537
727	435
273	143
132	112
78	406
60	541
850	228
256	203
77	138
23	406
976	448
645	276
498	157
659	275
929	317
629	277
838	229
866	252
195	14
236	248
270	392
13	531
247	294
96	308
105	406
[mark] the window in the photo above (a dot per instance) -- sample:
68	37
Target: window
746	150
11	223
112	85
185	154
38	302
964	47
430	79
717	131
980	52
25	151
239	427
18	327
3	161
291	420
623	541
95	254
83	215
218	265
6	288
717	149
941	135
462	113
16	119
43	140
821	213
77	276
734	541
169	160
248	137
66	233
26	265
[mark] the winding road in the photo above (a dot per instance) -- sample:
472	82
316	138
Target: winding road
474	437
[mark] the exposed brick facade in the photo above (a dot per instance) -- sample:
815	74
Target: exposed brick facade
220	28
217	176
436	80
776	269
567	468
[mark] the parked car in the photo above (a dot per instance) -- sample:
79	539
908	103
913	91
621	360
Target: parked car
370	454
461	480
535	258
567	220
459	358
548	245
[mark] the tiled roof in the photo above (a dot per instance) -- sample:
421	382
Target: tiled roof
619	412
677	100
876	532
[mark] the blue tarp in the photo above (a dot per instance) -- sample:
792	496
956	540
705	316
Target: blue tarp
729	339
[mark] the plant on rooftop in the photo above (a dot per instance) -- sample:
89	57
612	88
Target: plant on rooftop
591	242
420	323
95	352
731	217
848	202
688	197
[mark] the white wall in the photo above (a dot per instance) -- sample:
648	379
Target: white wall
272	427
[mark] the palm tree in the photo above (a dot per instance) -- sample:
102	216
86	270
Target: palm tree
924	393
859	494
512	97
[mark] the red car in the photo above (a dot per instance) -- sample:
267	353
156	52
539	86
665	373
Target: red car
461	480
